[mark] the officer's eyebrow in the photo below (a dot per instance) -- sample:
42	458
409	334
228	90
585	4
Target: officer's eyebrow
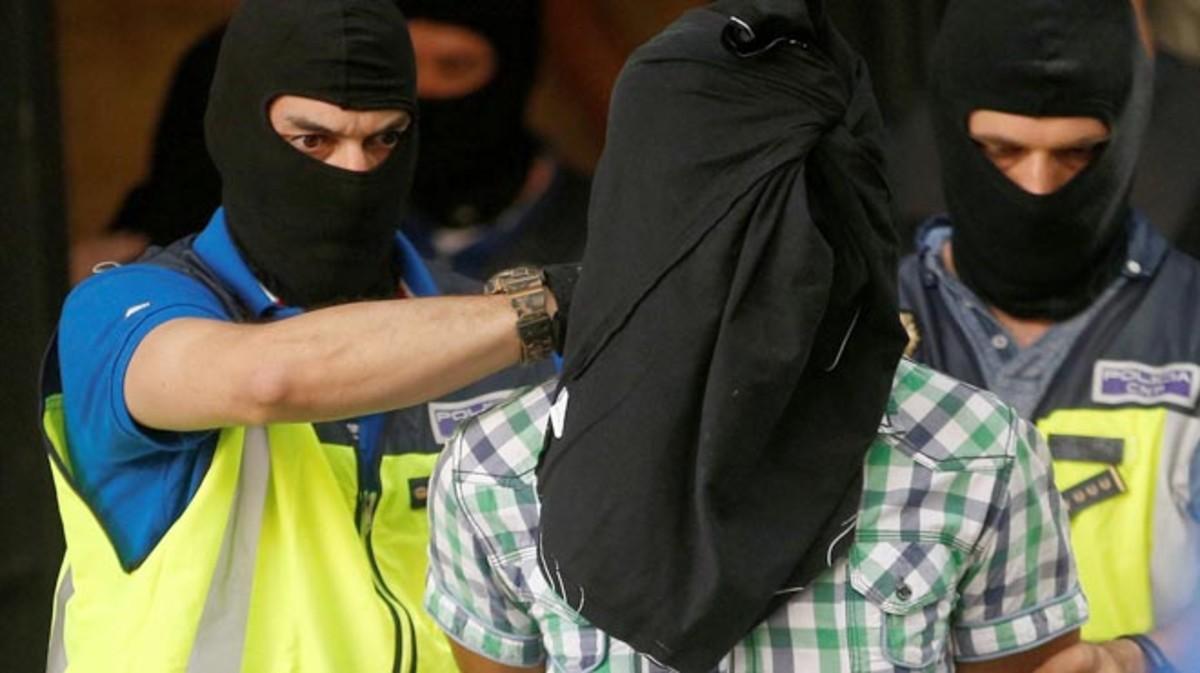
1084	142
400	122
306	124
996	140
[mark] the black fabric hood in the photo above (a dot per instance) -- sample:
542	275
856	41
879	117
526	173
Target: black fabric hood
314	233
1039	256
733	336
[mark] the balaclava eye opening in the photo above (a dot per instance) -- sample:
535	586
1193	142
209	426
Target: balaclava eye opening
478	151
1040	256
313	233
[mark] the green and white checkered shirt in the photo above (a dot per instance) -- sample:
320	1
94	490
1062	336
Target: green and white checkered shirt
961	548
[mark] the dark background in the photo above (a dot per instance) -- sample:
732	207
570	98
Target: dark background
33	277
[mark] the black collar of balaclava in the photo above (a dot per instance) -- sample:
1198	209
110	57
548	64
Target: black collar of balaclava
477	149
1039	256
314	234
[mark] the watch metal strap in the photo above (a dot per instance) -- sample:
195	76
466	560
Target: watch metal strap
527	294
534	325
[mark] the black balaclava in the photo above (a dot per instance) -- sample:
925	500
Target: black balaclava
314	234
477	150
1034	256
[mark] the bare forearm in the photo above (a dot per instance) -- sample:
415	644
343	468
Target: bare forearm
363	358
332	363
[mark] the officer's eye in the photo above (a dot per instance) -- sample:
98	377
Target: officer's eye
1082	154
308	142
999	151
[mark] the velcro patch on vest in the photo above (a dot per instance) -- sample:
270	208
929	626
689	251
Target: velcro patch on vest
1104	486
418	492
1110	450
1123	382
445	417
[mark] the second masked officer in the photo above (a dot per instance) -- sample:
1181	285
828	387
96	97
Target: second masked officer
220	514
1043	286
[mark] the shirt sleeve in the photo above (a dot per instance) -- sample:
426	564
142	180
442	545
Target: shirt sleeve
463	592
103	322
1021	588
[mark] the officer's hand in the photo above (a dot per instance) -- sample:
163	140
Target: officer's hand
1114	656
560	280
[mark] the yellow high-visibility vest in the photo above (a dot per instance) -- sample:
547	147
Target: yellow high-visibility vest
1119	541
265	570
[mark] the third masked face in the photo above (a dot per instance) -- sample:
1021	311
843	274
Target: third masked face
473	78
452	60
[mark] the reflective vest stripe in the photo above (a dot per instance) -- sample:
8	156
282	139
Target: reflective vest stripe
56	653
221	635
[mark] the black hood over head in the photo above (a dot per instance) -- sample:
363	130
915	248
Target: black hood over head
314	234
477	150
733	337
1040	256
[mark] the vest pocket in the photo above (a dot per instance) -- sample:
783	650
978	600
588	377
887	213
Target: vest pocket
912	584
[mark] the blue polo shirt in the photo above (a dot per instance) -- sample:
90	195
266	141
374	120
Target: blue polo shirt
138	480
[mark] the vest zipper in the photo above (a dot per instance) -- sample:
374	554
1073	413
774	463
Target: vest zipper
367	502
370	487
397	608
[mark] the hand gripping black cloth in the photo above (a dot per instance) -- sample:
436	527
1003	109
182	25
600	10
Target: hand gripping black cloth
1051	255
733	337
314	234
